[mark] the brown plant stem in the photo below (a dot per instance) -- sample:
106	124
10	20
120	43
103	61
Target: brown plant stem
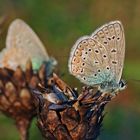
23	127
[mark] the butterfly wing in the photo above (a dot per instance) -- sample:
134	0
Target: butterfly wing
22	44
91	58
86	61
112	37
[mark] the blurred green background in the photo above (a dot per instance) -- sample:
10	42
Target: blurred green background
59	23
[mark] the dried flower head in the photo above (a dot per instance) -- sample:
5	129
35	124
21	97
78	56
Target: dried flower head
77	117
16	99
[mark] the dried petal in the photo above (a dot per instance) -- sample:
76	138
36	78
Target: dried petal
10	92
29	70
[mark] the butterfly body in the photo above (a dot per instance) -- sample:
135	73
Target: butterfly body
97	60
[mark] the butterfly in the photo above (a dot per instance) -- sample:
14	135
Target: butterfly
98	59
22	44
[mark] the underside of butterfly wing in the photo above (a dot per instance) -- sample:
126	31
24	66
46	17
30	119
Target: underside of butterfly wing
86	61
22	44
99	58
111	36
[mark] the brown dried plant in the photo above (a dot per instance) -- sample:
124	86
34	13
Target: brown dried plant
16	100
69	116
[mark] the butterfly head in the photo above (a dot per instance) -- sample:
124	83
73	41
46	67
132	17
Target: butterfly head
122	85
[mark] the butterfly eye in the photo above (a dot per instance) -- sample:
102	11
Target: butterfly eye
122	84
99	70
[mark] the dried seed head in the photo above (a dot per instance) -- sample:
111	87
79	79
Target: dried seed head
16	100
76	119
